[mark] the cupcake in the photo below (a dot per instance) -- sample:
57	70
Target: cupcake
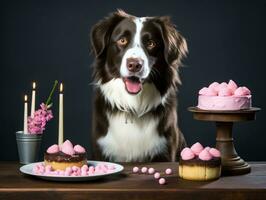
200	164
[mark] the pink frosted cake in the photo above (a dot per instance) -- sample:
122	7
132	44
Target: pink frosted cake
65	155
199	164
224	96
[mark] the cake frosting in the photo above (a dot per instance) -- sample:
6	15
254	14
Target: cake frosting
224	96
65	155
199	163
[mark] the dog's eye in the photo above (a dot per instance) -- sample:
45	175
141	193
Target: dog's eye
122	41
151	44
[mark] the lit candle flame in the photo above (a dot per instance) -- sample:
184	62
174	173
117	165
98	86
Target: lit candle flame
33	85
26	98
61	87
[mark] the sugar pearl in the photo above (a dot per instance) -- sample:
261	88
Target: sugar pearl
135	169
168	171
144	169
162	181
151	170
157	175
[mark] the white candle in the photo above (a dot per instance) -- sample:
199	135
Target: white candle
33	96
61	117
25	129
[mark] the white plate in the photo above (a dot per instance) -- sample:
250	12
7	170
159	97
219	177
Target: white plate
28	169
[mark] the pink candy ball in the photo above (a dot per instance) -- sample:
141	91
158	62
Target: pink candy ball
168	171
157	175
144	169
135	169
162	181
151	170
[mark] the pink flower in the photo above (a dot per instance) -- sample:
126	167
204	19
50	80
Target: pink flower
36	124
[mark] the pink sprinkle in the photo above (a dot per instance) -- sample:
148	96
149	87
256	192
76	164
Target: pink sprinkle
85	168
83	173
162	181
151	170
75	168
135	169
157	175
67	173
168	171
144	169
111	167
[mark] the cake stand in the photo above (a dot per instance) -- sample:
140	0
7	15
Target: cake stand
232	164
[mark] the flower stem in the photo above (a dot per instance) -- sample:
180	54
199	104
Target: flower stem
51	93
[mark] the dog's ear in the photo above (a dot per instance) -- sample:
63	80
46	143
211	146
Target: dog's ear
175	44
101	32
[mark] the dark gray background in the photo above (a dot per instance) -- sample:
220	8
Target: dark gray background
48	40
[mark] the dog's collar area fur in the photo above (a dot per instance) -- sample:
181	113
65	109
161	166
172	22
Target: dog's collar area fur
147	100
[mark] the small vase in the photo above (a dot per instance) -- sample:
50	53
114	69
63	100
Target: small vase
28	147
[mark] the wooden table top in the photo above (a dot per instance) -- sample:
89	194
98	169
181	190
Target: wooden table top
14	185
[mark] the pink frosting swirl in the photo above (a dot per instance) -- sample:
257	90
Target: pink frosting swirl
242	91
187	154
214	152
79	149
225	91
232	86
214	86
53	149
208	92
67	148
205	155
196	148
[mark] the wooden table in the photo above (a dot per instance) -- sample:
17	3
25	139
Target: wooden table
14	185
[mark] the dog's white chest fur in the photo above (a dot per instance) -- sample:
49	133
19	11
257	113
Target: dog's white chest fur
132	139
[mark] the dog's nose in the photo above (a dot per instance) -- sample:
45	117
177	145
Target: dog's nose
134	64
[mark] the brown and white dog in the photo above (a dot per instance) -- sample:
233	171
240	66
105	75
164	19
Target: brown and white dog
136	74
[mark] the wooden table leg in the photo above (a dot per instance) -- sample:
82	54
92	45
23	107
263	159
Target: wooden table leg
232	164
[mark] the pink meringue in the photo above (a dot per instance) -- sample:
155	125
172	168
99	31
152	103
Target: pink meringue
196	148
208	92
79	149
53	149
205	155
67	148
222	85
183	151
242	91
214	152
225	91
232	85
207	148
214	86
203	91
187	154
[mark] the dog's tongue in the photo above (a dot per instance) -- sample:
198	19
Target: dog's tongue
133	85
